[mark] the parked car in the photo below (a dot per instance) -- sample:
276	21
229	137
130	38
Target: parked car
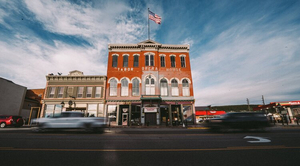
70	120
238	120
9	120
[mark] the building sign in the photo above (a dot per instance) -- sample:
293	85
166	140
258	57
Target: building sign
150	109
294	102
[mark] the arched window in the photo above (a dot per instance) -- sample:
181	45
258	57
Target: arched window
173	64
135	61
162	61
150	86
113	87
182	61
125	61
174	85
163	87
115	61
135	87
149	60
185	88
124	87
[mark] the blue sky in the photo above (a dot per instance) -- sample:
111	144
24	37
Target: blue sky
238	49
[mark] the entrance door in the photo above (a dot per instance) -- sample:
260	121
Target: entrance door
150	119
125	119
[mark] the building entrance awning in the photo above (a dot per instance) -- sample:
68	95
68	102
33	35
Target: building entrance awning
150	97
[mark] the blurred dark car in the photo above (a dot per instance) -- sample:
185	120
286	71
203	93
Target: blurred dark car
9	120
238	120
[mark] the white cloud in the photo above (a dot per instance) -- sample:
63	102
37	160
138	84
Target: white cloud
246	65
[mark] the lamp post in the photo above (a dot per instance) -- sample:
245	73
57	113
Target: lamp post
62	106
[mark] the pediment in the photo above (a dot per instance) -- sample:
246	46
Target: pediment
76	73
149	42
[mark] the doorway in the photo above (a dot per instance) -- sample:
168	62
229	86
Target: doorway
124	119
150	119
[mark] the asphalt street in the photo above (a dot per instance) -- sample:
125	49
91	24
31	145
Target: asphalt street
150	146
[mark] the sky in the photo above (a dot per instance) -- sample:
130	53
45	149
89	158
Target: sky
239	49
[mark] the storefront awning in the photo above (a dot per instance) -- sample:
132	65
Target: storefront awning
209	113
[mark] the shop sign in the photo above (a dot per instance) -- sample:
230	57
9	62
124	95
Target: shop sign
150	109
294	102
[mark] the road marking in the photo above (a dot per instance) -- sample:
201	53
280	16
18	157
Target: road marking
197	128
259	139
152	150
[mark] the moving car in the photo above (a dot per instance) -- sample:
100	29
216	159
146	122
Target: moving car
70	120
10	120
238	120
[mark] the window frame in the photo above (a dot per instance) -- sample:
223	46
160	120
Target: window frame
162	61
149	60
113	87
80	88
185	89
115	60
124	88
51	92
135	64
125	63
135	87
97	88
175	89
89	88
60	92
182	61
173	61
163	89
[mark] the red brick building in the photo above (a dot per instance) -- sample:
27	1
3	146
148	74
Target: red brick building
149	84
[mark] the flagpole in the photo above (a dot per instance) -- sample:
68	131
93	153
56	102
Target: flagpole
148	26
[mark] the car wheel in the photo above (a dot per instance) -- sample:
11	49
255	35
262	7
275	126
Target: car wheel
2	125
88	128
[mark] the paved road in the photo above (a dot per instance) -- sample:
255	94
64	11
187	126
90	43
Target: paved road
144	146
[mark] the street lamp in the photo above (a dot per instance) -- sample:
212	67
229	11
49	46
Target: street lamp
62	105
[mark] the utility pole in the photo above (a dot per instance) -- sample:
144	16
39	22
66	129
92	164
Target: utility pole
248	105
263	99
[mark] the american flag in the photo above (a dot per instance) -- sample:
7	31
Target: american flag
156	18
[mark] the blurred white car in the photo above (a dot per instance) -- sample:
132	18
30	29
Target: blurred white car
70	120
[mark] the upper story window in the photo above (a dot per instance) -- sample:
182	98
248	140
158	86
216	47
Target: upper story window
115	61
60	92
125	61
172	58
163	87
124	87
52	92
89	91
150	86
135	87
185	88
149	60
80	92
135	61
182	59
162	61
98	92
174	85
113	87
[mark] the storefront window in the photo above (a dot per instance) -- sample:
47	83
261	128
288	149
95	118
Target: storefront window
92	110
49	111
188	113
112	114
100	110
